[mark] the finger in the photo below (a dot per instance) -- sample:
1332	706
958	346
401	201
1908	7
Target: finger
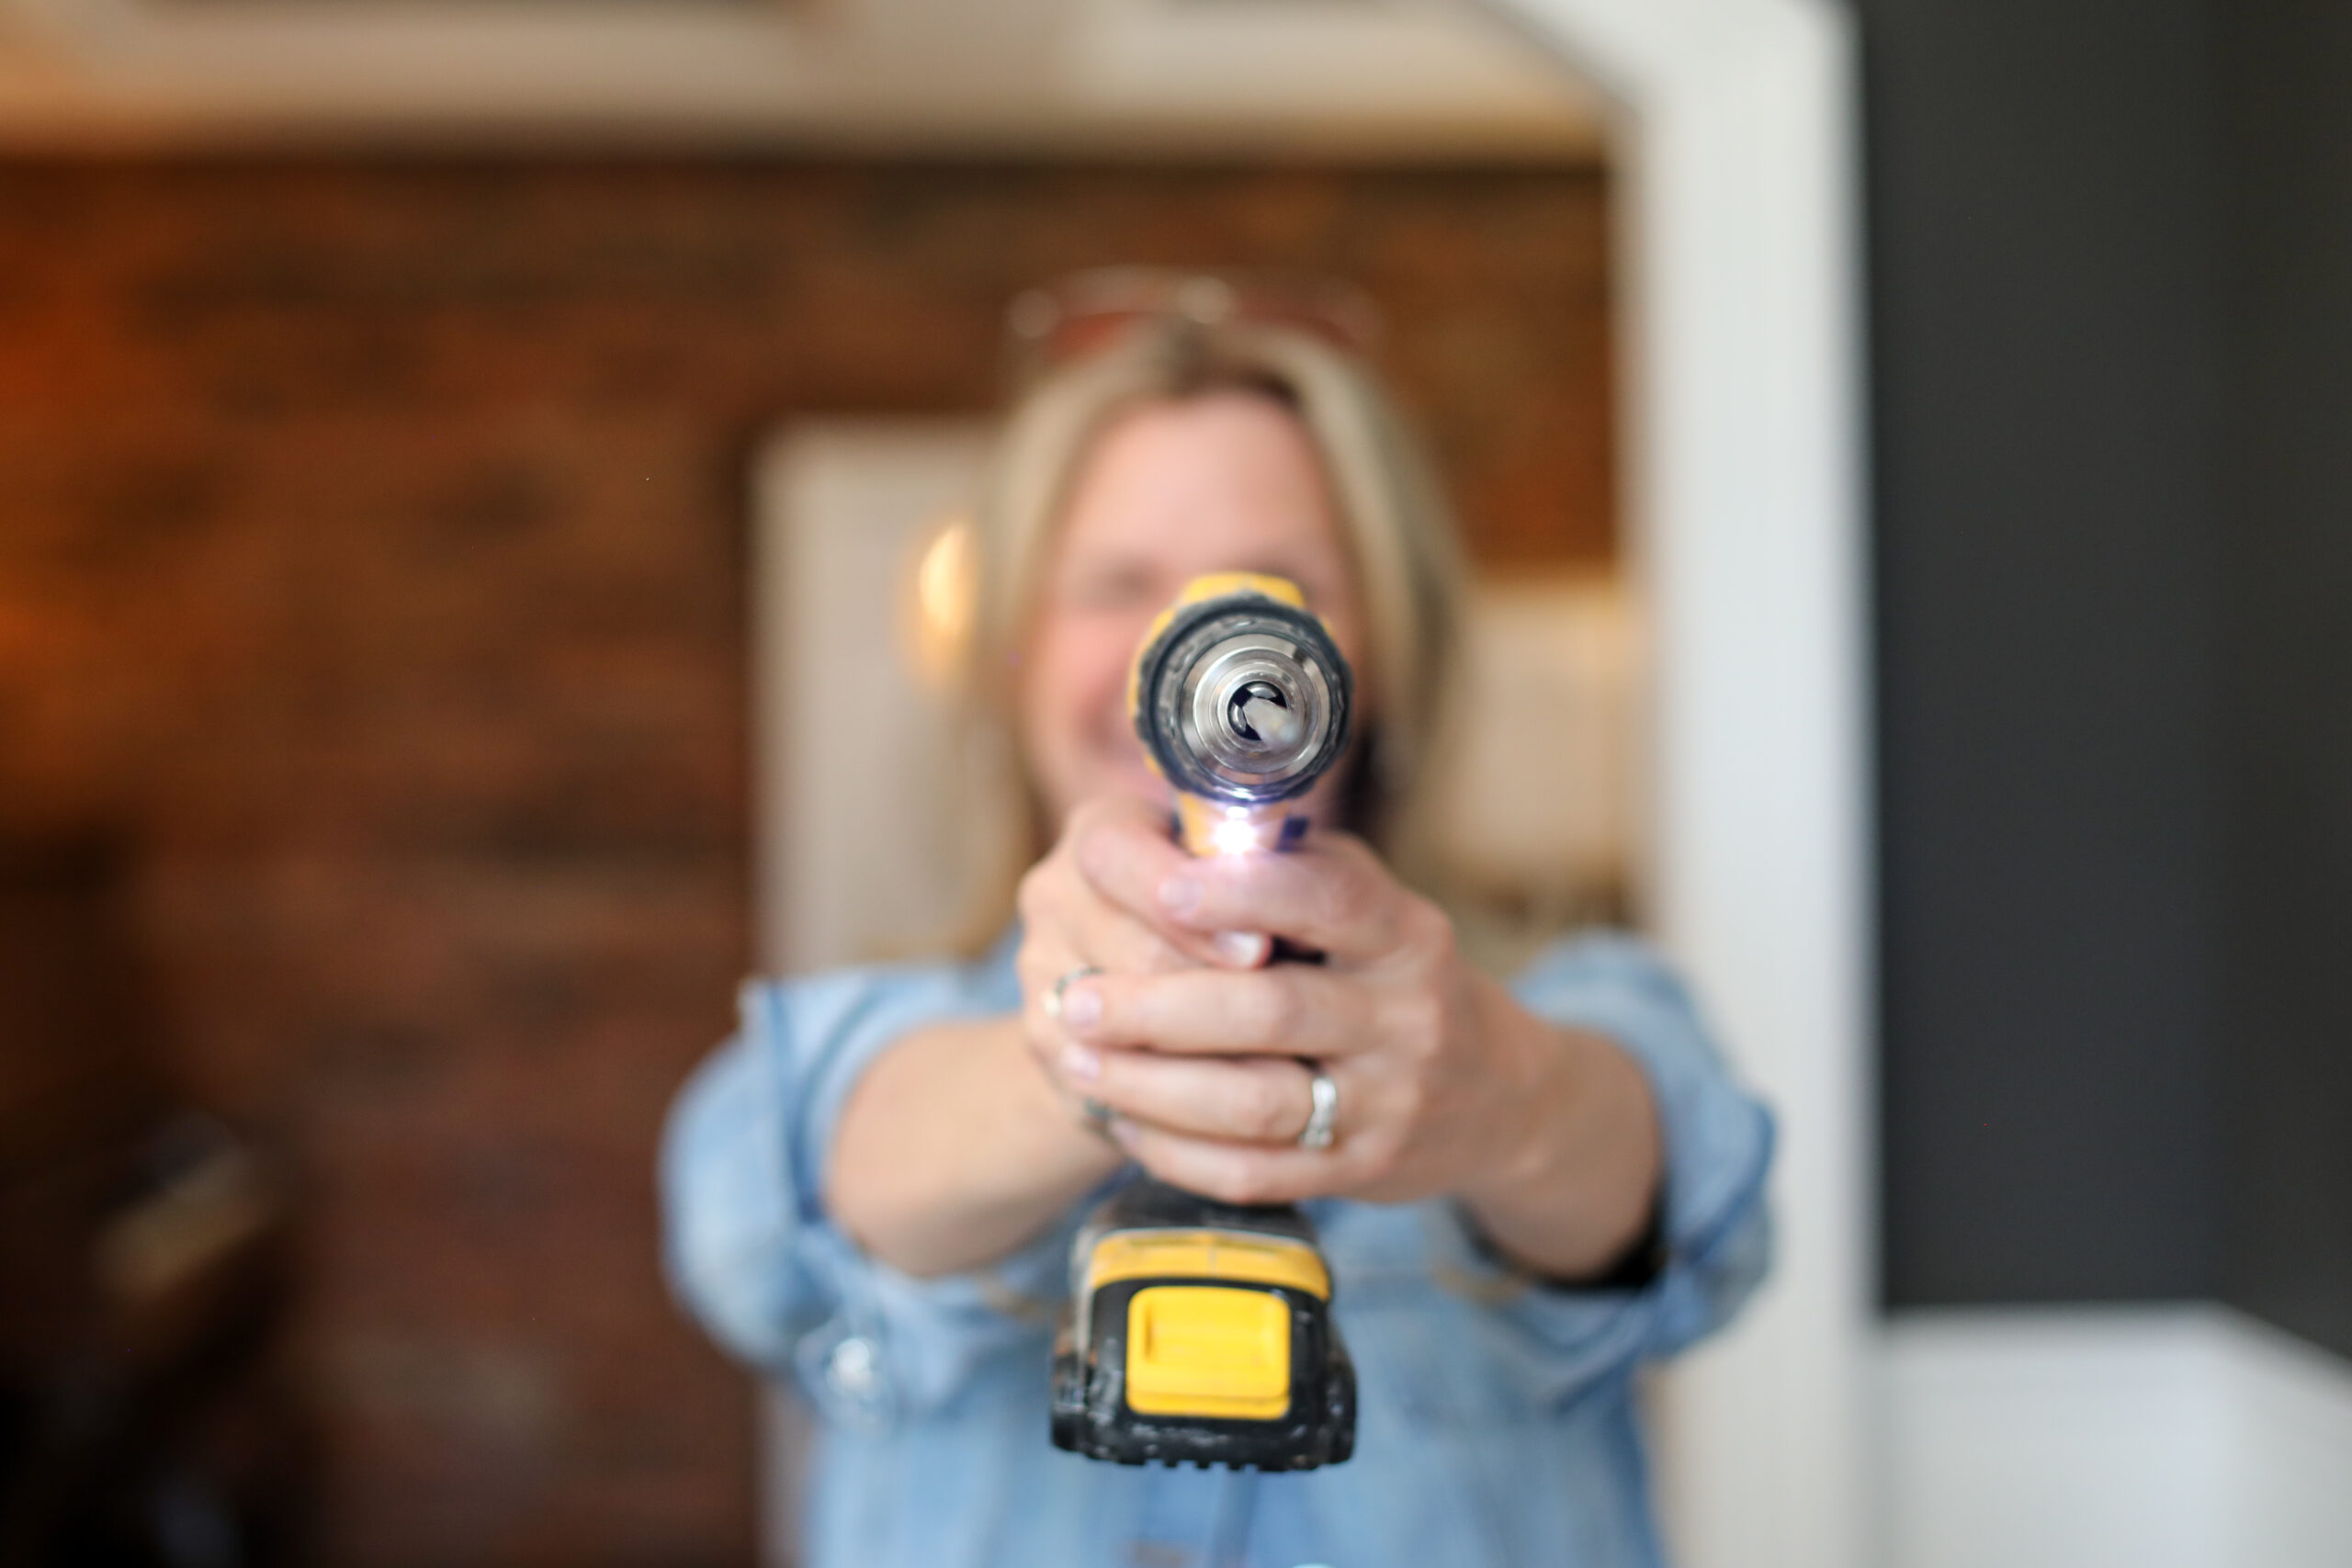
1124	851
1047	968
1070	1068
1049	972
1230	1172
1065	922
1260	1100
1333	895
1286	1010
1104	939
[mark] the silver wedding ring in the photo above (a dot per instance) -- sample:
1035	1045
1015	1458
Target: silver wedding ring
1053	999
1317	1133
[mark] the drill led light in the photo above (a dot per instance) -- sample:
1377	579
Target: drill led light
1237	835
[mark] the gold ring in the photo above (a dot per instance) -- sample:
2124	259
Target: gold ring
1053	997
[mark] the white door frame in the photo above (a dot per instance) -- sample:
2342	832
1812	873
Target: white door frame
1741	337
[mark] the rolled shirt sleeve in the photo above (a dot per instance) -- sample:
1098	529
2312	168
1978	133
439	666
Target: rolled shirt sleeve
750	1247
1717	1147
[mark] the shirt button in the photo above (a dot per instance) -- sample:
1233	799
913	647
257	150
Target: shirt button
853	1369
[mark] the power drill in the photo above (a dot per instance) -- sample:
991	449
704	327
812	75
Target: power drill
1197	1330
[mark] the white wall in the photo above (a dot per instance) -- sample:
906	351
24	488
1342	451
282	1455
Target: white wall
2165	1437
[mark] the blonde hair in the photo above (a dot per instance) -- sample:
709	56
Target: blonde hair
1392	517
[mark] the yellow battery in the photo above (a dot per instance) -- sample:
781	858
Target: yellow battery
1208	1350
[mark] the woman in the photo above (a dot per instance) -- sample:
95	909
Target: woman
1532	1191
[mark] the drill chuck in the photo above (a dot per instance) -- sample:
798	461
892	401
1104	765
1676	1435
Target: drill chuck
1241	697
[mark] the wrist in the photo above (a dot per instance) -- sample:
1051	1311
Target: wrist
1533	1085
1576	1179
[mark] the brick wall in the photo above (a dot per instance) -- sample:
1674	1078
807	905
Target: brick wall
370	538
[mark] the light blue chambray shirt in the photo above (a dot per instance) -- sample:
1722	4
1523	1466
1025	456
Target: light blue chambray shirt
1496	1422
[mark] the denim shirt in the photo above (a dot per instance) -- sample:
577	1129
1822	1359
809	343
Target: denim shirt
1496	1420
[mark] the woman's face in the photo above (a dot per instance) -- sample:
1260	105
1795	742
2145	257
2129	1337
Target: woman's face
1226	481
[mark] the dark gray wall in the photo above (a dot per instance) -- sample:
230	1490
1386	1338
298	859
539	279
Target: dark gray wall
2040	253
2110	244
2286	1056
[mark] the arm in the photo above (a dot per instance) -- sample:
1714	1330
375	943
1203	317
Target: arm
751	1244
1576	1173
954	1150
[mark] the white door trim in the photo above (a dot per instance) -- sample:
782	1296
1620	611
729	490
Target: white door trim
1741	340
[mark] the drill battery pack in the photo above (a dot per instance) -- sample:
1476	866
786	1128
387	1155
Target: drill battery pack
1199	1332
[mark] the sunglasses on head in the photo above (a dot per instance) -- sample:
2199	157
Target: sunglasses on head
1084	313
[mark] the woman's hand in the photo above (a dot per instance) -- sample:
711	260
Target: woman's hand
1446	1085
1077	912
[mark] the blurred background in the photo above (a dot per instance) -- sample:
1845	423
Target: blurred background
375	616
412	412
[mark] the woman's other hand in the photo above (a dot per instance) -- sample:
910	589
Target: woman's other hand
1199	1047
